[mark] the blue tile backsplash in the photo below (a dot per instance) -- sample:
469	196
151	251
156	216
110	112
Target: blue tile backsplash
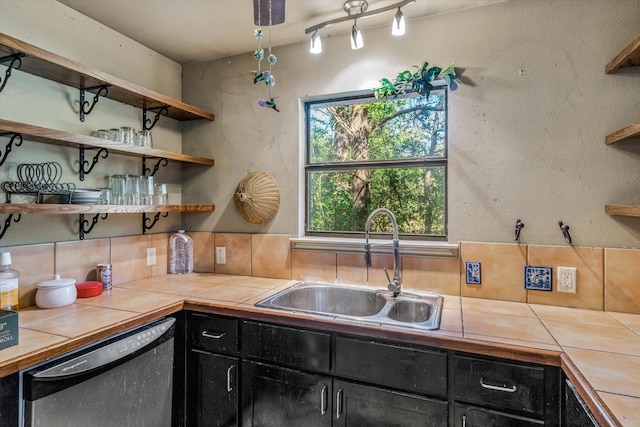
473	273
537	278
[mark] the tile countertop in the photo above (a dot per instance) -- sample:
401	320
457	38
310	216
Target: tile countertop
599	351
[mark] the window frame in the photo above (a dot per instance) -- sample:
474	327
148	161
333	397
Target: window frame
426	162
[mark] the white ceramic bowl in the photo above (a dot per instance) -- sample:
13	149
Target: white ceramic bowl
56	293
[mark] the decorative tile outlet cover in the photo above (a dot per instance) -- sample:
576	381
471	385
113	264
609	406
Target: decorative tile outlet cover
473	273
537	278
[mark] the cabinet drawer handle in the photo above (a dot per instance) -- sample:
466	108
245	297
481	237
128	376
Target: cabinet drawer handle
464	421
323	400
230	378
338	404
214	335
505	389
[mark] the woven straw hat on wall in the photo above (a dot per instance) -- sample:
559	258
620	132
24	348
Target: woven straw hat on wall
257	197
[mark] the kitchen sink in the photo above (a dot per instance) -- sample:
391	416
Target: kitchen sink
359	304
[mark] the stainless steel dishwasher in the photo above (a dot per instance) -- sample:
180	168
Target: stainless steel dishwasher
124	381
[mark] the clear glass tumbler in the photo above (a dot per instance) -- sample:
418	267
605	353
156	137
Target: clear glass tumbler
117	183
133	186
161	196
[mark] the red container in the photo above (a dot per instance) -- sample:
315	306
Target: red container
89	289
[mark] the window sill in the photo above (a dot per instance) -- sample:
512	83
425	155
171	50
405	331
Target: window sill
407	247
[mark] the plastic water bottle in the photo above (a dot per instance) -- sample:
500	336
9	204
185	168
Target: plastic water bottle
9	297
180	253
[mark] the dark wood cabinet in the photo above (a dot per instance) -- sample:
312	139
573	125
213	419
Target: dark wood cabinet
297	348
358	405
497	392
213	369
252	373
413	369
9	399
575	412
213	389
279	396
471	416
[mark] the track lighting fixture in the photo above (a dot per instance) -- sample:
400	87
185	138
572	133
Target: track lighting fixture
357	9
398	24
316	43
356	37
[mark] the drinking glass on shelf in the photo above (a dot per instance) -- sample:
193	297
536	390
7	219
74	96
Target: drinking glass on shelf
118	189
145	139
133	190
147	191
114	135
127	135
106	196
161	196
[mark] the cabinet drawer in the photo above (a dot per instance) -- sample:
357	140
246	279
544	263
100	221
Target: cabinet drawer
287	346
404	368
468	416
213	333
500	384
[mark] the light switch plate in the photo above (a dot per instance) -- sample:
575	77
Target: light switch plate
151	256
221	255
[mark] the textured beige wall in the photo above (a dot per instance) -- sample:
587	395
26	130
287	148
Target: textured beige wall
526	130
28	99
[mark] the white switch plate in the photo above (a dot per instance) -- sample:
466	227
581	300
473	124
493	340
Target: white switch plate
221	255
151	256
567	279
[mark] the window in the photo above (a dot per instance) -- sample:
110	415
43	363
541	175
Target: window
364	154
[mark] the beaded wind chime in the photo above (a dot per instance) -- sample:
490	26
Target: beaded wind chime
265	76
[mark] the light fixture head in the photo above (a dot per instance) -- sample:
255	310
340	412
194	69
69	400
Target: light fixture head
356	37
355	7
398	28
316	43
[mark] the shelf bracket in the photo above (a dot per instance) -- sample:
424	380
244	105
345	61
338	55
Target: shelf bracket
85	167
7	223
85	107
10	145
161	162
86	227
15	64
148	223
161	111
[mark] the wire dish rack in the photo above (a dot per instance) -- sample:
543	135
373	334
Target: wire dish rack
39	179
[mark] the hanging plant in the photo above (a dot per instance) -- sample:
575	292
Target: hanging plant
420	81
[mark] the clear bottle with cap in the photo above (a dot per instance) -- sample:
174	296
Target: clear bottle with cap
180	253
9	291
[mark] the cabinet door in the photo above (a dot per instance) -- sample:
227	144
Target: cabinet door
365	406
575	412
500	385
279	397
470	416
415	370
212	389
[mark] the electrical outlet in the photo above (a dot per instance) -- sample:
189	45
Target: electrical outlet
151	256
567	279
221	255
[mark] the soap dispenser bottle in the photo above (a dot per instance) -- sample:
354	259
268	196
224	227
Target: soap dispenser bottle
9	295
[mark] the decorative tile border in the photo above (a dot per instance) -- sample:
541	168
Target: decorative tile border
537	278
473	273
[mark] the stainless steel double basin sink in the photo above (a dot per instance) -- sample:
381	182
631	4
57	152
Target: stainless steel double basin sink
359	304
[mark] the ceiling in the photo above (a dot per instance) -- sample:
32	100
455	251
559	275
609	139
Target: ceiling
189	31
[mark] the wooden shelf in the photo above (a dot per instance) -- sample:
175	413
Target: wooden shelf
62	209
629	57
46	64
57	137
623	210
629	132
